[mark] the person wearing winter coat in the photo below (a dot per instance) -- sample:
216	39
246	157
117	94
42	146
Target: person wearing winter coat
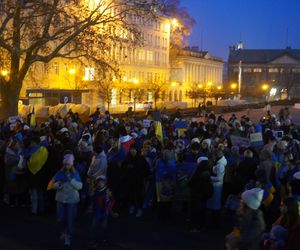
135	170
37	156
15	178
214	203
67	182
201	190
249	230
98	166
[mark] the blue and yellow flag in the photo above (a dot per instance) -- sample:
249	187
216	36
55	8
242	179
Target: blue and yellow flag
158	127
32	118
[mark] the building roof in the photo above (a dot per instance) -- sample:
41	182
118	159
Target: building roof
196	53
261	55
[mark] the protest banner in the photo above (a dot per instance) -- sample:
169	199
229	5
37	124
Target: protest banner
184	172
239	141
165	181
146	123
256	140
256	137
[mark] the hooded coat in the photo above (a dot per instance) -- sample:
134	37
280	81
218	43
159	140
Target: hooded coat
214	203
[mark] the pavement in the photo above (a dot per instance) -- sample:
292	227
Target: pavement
256	114
18	231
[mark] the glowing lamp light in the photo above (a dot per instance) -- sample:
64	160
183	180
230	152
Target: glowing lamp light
135	81
72	71
200	86
219	87
209	84
124	78
175	22
265	87
233	86
114	78
4	72
173	84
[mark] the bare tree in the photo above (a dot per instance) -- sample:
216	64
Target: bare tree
158	88
35	31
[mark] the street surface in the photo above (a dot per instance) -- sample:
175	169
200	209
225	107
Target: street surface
19	231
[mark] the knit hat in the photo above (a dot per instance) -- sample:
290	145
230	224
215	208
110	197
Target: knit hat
253	197
202	158
208	142
195	140
297	175
68	159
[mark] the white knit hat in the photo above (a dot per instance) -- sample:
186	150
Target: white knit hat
202	158
297	175
195	140
253	197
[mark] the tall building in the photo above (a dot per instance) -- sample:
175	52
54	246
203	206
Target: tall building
262	72
190	69
138	69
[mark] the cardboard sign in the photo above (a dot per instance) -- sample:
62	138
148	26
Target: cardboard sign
256	137
146	123
240	141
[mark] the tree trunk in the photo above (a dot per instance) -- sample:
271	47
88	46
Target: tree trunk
10	98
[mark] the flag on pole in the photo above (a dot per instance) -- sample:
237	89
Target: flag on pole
32	118
158	126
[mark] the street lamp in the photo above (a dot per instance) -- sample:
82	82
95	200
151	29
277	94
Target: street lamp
175	22
265	87
4	73
219	87
72	71
233	86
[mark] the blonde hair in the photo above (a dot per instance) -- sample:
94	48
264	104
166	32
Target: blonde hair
248	153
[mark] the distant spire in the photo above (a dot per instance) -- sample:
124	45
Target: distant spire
240	45
287	38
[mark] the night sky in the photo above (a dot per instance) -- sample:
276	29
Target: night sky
260	24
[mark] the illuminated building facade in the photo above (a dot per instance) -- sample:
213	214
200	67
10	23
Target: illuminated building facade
190	69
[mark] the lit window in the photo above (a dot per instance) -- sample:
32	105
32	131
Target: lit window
113	97
273	70
89	74
56	68
247	70
257	70
149	56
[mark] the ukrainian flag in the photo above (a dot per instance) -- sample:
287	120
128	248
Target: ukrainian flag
32	118
158	126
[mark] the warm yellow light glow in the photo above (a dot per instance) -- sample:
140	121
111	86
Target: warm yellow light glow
124	78
4	72
173	84
219	87
175	22
114	78
233	86
209	84
135	81
72	71
200	86
265	86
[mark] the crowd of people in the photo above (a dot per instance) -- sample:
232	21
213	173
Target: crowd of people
112	165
